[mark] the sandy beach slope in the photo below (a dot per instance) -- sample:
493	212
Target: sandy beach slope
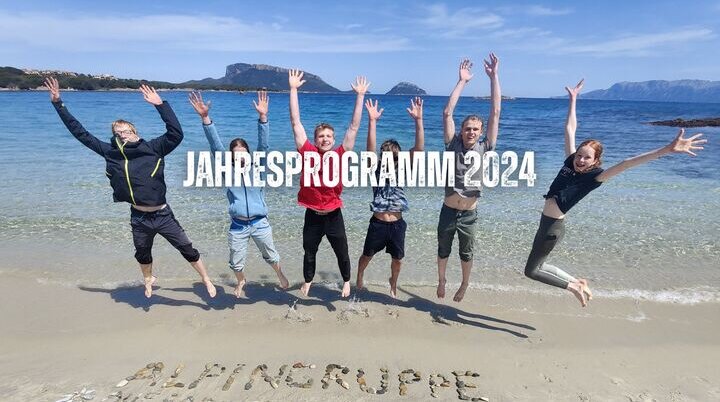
56	339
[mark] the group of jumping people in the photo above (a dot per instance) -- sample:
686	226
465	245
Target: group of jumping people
135	168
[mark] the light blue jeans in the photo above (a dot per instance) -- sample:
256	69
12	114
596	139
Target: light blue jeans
239	234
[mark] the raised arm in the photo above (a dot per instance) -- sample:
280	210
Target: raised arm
491	69
679	145
464	76
261	106
373	116
74	126
167	142
360	87
203	110
295	81
416	112
571	122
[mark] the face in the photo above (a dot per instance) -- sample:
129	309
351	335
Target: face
239	149
471	132
125	133
325	139
584	159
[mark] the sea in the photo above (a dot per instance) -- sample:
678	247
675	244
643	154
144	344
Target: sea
652	233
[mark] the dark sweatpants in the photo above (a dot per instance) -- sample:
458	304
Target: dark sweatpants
145	225
331	225
550	232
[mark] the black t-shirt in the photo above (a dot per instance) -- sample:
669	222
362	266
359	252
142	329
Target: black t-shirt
569	186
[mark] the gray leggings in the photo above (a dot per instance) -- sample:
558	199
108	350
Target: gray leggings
550	232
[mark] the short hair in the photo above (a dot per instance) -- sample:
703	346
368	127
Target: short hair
390	146
123	123
322	126
241	142
472	117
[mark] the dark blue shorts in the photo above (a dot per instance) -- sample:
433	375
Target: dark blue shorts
385	235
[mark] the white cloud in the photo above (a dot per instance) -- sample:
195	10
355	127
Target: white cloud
148	33
640	44
547	11
462	21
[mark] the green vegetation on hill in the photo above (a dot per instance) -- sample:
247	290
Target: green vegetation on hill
14	78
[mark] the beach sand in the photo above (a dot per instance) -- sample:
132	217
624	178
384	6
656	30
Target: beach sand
57	339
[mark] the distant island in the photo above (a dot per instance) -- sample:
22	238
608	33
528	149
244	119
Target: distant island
707	122
406	88
16	79
238	77
263	76
660	91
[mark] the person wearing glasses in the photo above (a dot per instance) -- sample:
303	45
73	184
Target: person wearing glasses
135	168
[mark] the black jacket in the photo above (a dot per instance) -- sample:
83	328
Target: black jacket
135	170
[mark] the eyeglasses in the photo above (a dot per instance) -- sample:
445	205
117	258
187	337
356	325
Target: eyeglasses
126	132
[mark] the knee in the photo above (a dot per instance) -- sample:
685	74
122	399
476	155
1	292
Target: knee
189	253
143	255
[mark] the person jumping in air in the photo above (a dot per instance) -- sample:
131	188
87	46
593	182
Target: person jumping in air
323	215
135	168
582	173
387	227
459	210
248	210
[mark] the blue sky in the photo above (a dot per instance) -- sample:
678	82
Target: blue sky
542	45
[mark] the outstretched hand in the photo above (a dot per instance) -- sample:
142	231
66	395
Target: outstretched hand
574	92
54	87
261	106
372	109
361	85
202	108
416	108
687	145
491	66
151	95
295	79
464	71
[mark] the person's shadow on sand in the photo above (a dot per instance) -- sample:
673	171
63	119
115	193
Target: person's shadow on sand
254	293
443	314
319	296
135	297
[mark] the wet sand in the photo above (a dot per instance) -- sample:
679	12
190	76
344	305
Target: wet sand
57	339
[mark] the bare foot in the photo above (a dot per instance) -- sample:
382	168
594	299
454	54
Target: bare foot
576	289
149	282
283	280
210	287
441	289
346	289
305	288
586	288
393	287
238	292
460	292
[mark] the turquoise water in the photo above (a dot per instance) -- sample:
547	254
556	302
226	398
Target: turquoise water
652	232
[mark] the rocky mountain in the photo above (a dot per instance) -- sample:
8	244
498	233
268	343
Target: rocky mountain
263	76
660	91
406	88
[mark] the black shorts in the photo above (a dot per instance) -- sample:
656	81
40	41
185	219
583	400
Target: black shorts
385	235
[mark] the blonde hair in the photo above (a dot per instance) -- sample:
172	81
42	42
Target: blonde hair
123	123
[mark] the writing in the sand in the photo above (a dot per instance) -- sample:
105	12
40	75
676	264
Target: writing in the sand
150	381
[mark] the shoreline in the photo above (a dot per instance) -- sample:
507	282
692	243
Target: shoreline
522	346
